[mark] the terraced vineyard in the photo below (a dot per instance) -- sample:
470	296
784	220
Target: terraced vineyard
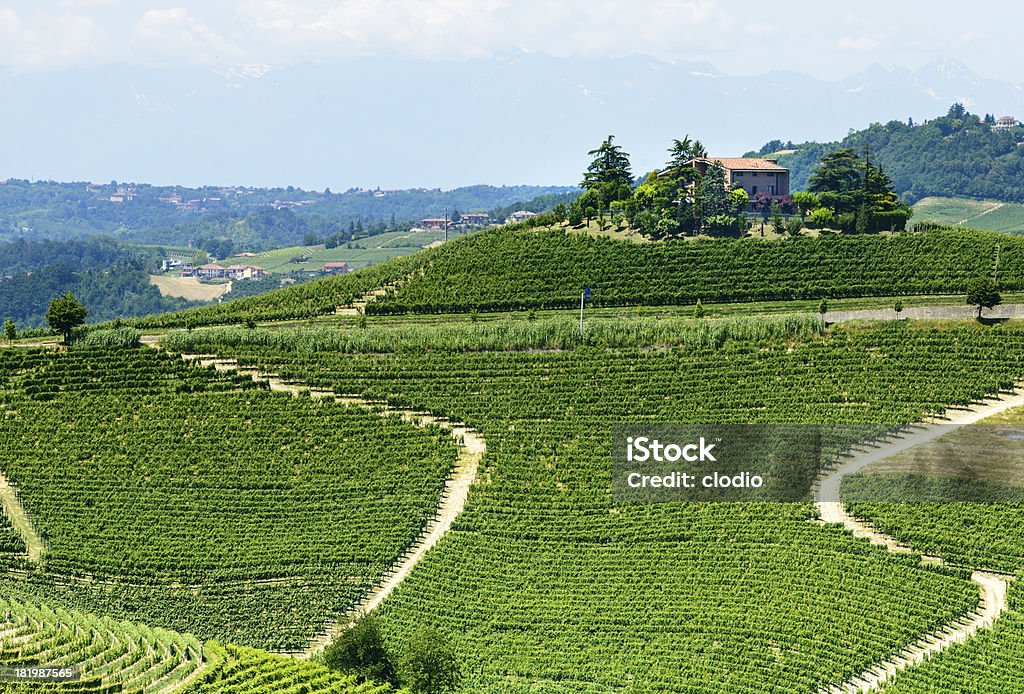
503	269
549	586
500	270
180	497
117	656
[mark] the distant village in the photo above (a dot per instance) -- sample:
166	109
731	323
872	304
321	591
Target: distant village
211	271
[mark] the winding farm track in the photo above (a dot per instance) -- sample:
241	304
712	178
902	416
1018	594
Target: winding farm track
472	446
16	513
991	585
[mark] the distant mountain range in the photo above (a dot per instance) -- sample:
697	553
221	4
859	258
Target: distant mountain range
522	118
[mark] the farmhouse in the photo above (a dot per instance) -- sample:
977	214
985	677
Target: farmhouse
246	272
1005	123
473	219
210	271
434	223
521	215
336	268
752	175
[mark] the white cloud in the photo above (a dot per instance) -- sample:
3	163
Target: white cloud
43	41
175	36
87	3
468	28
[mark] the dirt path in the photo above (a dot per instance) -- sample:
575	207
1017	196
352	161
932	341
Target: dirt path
992	586
982	214
472	446
16	513
359	305
927	313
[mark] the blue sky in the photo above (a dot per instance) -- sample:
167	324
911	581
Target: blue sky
826	40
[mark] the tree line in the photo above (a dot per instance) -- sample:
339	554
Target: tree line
959	154
848	191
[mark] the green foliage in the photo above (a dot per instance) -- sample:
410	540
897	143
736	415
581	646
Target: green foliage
527	561
838	181
712	193
698	309
947	156
429	664
10	330
806	202
859	193
822	218
507	335
778	223
608	177
991	662
982	292
360	651
316	298
897	306
500	270
823	306
66	313
112	338
108	277
739	199
210	504
794	227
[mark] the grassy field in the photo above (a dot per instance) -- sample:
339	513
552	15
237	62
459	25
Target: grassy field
188	287
358	254
991	215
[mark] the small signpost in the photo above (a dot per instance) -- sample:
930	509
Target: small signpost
583	297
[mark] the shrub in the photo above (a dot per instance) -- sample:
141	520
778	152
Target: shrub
360	651
822	218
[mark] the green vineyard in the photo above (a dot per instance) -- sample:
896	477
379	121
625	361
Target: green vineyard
505	269
553	588
190	520
119	657
171	494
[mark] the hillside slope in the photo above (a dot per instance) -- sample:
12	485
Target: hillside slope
508	269
956	155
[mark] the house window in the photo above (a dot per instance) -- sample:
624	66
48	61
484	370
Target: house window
754	174
771	175
753	190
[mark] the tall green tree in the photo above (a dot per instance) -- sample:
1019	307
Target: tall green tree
839	180
65	314
981	292
10	330
430	665
609	173
360	651
712	193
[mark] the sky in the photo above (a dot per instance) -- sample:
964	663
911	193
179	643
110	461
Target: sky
740	37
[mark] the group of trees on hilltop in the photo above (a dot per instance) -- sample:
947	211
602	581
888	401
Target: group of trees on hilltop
849	192
675	201
959	154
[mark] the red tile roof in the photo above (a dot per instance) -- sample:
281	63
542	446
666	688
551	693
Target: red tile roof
747	164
